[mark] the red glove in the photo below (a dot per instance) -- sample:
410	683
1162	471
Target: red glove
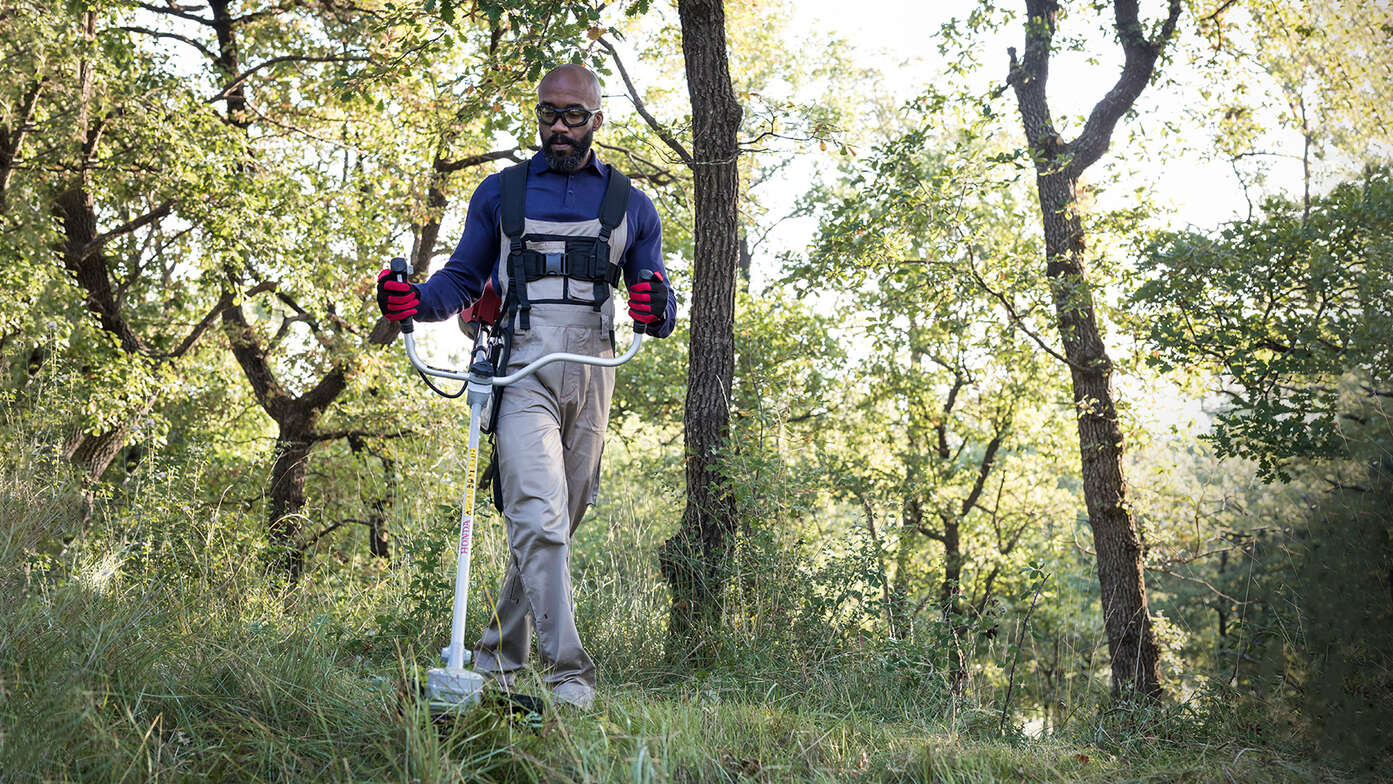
396	300
648	301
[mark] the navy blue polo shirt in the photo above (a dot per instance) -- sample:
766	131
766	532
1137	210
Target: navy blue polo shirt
551	196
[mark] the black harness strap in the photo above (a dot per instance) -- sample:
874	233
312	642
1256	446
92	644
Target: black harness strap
584	258
612	209
514	195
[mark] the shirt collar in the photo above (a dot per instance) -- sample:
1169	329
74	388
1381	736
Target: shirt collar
538	165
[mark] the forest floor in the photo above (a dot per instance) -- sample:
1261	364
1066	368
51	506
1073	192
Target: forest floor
123	688
156	648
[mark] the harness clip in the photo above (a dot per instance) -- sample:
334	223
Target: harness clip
555	264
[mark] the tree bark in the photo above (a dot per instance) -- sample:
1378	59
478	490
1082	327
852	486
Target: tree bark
287	496
694	561
295	418
1059	164
92	453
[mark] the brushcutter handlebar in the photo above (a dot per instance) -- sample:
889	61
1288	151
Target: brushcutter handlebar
399	272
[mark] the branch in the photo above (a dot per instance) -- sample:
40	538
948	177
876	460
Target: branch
334	435
1138	66
300	313
937	536
1029	75
1015	316
222	304
290	58
129	226
74	211
1187	578
252	357
160	34
663	133
941	429
173	9
251	107
12	141
1218	11
336	526
657	174
445	167
244	18
981	605
326	390
284	330
1334	485
984	470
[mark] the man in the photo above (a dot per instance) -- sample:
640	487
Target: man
555	235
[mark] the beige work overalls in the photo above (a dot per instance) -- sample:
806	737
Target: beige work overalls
549	438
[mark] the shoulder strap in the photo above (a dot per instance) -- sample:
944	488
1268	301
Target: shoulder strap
616	201
514	194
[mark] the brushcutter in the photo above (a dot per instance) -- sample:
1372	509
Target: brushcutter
454	685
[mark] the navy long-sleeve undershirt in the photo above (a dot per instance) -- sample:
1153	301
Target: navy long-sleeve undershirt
551	196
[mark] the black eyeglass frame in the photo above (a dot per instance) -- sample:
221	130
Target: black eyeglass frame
555	112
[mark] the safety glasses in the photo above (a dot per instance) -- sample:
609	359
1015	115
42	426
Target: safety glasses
571	116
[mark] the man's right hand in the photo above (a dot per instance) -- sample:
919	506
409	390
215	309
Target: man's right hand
397	300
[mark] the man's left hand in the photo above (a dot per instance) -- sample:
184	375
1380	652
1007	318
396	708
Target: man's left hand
648	302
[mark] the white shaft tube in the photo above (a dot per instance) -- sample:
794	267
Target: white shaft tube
455	657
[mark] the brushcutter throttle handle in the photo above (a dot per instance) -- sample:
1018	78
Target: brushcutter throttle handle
400	269
643	275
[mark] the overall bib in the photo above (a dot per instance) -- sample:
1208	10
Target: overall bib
550	429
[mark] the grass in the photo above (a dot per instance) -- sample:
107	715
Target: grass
155	649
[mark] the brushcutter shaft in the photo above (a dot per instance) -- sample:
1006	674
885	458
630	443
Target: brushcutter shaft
455	658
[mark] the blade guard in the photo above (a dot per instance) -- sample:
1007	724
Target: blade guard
486	308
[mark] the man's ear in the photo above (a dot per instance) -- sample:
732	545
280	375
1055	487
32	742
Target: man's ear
598	121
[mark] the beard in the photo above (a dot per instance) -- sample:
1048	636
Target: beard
566	158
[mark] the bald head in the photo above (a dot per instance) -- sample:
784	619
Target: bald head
568	94
570	81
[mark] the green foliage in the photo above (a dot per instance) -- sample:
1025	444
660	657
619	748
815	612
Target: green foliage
1342	590
156	648
1328	61
1294	310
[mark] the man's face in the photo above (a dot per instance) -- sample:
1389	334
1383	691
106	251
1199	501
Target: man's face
567	149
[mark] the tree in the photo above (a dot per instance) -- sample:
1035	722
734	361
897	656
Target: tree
360	163
109	144
248	186
949	395
1331	63
694	559
1059	164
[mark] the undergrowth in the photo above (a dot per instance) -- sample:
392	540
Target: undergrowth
155	647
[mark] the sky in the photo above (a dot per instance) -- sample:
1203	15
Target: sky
893	36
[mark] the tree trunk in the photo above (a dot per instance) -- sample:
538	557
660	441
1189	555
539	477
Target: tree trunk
287	497
694	561
1058	165
1131	642
378	545
949	597
92	453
